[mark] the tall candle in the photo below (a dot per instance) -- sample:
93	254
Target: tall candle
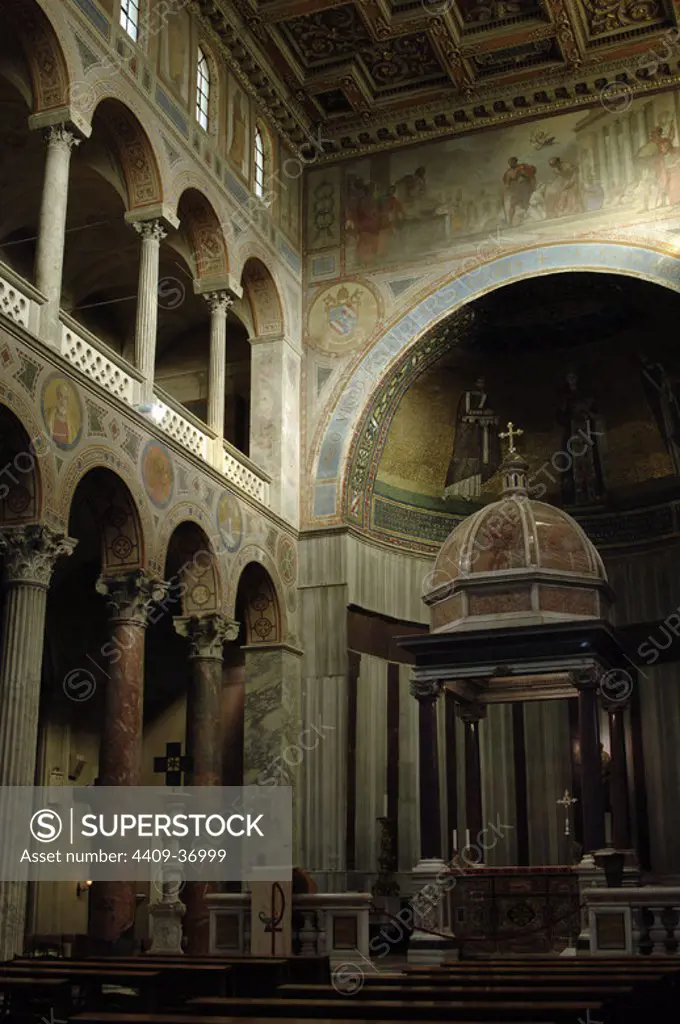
467	838
385	806
455	839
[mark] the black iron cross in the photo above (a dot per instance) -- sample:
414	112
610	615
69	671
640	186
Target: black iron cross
174	764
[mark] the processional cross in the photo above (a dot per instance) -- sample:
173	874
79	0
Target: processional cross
511	433
175	764
567	801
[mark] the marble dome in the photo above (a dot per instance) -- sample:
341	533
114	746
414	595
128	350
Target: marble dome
516	561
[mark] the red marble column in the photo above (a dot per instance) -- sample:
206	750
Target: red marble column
618	777
427	693
206	635
592	790
131	596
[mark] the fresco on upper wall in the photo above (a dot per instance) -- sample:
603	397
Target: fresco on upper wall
553	178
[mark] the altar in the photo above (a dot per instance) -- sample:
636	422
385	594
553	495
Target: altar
508	910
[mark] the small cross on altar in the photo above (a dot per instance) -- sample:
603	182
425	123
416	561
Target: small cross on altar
174	764
567	801
511	433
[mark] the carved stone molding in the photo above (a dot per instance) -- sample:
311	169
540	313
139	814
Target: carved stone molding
206	633
426	689
29	553
131	595
586	678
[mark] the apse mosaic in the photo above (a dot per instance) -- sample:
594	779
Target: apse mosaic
585	363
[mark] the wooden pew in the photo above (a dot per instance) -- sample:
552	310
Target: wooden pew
185	979
28	998
173	1018
552	992
515	1010
93	979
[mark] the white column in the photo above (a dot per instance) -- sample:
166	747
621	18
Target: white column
152	233
49	262
29	554
220	304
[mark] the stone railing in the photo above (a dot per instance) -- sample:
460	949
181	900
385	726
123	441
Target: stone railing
89	355
20	302
175	421
245	474
644	920
324	924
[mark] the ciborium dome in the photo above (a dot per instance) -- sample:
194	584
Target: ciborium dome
516	561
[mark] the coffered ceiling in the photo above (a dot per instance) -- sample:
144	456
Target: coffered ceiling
371	74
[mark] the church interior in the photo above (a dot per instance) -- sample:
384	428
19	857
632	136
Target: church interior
343	470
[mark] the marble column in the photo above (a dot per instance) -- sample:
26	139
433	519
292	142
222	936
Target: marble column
131	598
206	635
49	263
471	714
592	791
220	303
28	557
618	777
152	234
428	943
275	419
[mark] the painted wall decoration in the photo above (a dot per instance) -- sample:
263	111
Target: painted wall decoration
175	50
238	130
342	317
545	178
323	208
158	473
287	560
230	522
289	196
62	411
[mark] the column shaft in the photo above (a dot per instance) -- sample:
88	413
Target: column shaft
592	791
152	233
473	776
618	778
131	596
430	824
206	635
52	230
219	303
29	556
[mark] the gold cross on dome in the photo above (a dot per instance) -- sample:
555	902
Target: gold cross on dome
511	433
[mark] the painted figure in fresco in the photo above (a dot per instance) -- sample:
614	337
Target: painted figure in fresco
582	482
61	421
664	404
519	181
390	218
566	197
476	447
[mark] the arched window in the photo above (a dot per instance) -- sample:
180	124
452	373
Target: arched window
259	163
129	17
202	90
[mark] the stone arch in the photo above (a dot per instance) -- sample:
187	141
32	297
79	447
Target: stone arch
263	297
331	449
104	500
43	53
258	601
138	525
192	570
31	434
206	237
21	497
138	161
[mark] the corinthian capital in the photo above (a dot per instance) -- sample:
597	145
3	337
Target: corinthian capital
150	230
586	678
29	553
60	137
132	595
219	302
206	633
426	689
